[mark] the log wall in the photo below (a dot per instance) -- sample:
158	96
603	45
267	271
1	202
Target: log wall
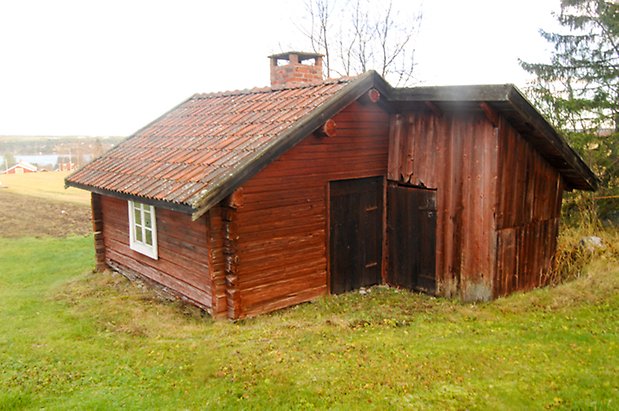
528	212
216	261
97	229
280	222
183	263
456	155
266	246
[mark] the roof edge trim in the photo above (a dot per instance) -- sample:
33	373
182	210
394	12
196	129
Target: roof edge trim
185	209
134	134
537	120
493	92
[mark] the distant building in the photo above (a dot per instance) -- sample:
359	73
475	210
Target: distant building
21	168
66	166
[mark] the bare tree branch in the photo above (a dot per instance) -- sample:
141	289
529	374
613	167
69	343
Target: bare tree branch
359	35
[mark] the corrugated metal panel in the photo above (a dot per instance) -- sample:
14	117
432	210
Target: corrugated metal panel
177	157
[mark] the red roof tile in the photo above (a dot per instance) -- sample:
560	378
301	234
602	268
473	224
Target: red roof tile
196	145
199	152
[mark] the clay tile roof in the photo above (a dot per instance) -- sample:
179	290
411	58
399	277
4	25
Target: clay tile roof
183	159
198	153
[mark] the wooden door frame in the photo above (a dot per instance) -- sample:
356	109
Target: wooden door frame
383	268
391	236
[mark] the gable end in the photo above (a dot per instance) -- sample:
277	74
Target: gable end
225	186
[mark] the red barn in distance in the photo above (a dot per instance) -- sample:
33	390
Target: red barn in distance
248	201
21	167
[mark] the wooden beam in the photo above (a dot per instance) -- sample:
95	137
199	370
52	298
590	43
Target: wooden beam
328	129
433	108
491	114
235	200
231	261
97	228
371	97
472	93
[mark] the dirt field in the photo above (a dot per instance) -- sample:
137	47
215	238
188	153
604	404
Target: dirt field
37	205
31	216
48	185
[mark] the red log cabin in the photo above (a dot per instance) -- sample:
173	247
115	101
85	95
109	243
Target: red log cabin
249	201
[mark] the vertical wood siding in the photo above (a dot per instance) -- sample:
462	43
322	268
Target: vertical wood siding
498	200
456	155
183	264
281	221
528	212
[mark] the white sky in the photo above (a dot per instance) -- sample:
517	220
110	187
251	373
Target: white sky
89	67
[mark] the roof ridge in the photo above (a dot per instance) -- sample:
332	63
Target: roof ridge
260	90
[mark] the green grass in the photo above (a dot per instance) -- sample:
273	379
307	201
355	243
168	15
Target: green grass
70	339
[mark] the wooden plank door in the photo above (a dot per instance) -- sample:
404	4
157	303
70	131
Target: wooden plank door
356	213
411	233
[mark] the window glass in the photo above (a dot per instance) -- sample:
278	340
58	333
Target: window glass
138	216
143	229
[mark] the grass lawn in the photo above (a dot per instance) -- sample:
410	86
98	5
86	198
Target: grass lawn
70	339
47	185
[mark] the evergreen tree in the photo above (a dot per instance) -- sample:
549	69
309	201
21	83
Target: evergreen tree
578	91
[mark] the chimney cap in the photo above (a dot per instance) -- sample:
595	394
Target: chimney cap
295	67
303	55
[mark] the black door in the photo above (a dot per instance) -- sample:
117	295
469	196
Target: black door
411	231
356	228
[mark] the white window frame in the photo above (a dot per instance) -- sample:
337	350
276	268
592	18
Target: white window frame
138	230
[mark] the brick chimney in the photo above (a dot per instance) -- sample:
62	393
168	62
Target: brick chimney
294	68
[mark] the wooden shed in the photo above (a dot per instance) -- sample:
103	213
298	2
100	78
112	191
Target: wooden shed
249	201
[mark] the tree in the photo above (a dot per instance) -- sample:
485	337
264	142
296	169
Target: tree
97	149
355	36
578	90
9	160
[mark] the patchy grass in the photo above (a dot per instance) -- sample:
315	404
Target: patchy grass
70	339
46	185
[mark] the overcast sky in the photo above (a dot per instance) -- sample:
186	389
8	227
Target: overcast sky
86	67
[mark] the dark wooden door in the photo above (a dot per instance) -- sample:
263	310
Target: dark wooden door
356	214
411	233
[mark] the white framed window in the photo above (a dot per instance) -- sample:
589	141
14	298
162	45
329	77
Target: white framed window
143	229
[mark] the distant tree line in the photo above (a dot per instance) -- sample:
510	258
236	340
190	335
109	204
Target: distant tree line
76	150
